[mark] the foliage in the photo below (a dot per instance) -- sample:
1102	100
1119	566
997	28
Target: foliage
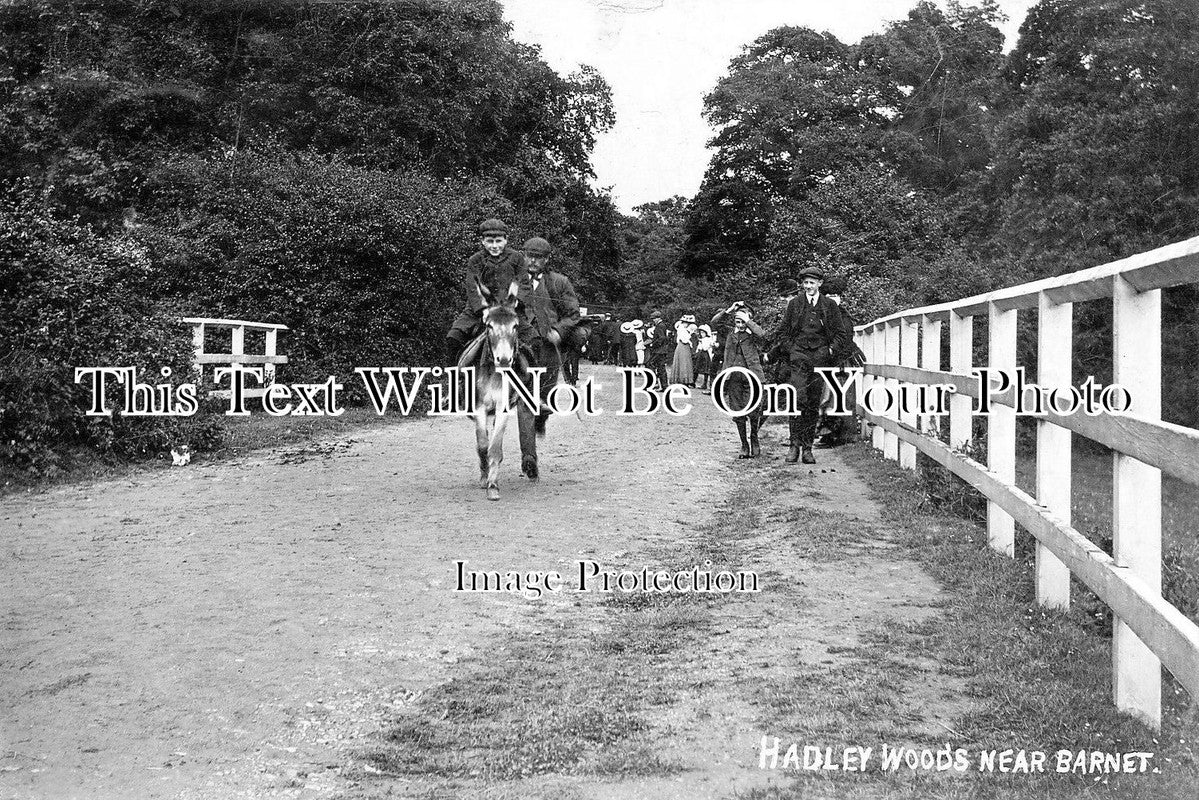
939	71
71	298
945	492
923	164
364	266
1096	157
652	243
800	110
424	83
317	164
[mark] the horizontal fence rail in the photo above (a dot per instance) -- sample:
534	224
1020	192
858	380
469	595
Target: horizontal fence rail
904	353
237	355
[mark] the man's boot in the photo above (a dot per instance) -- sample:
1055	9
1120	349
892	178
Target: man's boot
740	423
528	466
807	434
793	448
528	441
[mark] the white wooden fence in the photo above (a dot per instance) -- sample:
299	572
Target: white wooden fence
237	355
905	349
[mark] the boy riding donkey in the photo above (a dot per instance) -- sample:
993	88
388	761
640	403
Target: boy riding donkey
496	266
549	308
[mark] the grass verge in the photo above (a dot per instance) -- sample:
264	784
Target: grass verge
1035	680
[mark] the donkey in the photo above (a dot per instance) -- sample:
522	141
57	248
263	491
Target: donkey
496	348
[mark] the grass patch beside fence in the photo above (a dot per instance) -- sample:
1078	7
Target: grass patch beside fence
1037	680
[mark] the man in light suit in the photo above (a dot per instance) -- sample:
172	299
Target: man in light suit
552	307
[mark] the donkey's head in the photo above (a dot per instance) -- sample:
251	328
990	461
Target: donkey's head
501	319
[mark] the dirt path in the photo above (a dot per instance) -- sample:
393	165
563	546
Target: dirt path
236	630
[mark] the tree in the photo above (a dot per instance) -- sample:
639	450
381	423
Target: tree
1097	156
941	70
800	109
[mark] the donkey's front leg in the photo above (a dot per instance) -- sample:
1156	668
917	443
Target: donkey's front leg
495	455
482	442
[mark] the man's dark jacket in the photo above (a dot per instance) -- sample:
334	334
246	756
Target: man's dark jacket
815	333
553	305
659	345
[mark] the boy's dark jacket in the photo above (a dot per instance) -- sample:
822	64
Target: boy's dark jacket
494	273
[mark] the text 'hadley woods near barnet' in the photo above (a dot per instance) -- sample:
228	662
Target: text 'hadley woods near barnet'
400	387
590	576
775	754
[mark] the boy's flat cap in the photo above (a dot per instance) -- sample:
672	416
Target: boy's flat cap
493	227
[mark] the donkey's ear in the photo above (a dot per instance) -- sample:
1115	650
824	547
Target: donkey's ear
513	291
484	293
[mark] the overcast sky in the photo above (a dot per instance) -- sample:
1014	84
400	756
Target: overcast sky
662	56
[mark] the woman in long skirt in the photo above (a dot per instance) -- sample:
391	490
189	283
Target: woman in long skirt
681	369
628	344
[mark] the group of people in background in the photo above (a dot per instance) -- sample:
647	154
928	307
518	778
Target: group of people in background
815	332
686	352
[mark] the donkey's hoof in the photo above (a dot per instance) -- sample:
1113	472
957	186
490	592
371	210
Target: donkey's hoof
493	493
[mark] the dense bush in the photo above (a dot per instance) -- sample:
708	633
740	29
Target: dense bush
364	266
70	298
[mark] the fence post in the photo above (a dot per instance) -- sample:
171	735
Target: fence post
877	356
909	334
930	359
891	358
862	340
1055	344
238	346
961	357
272	343
1001	428
198	348
1137	493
